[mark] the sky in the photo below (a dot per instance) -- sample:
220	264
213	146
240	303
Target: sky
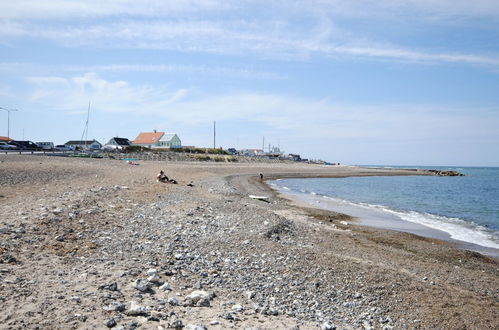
401	82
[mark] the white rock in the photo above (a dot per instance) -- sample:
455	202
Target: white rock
198	295
136	309
250	294
195	327
237	308
165	287
154	278
152	272
142	285
327	326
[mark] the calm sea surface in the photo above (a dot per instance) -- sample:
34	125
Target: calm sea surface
465	208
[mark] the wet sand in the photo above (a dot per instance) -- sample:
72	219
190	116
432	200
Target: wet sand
379	219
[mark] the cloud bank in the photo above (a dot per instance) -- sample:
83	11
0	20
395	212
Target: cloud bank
283	114
284	31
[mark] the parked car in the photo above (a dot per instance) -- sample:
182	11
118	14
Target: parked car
62	147
26	145
45	145
7	146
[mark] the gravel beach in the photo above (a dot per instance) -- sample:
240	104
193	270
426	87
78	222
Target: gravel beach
98	243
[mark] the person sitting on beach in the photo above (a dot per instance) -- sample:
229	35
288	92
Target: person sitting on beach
162	177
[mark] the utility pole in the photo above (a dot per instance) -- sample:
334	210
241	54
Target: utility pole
85	130
263	144
8	119
214	134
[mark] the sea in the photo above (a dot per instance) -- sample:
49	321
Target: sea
461	209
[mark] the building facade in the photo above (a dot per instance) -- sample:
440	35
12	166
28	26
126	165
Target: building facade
157	140
84	145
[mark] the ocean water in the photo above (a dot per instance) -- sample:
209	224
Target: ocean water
465	209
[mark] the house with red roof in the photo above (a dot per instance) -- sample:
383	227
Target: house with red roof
157	140
5	139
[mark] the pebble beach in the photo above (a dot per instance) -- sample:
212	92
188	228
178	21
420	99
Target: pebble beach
99	243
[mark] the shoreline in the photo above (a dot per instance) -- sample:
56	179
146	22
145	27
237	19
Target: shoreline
400	224
386	222
79	237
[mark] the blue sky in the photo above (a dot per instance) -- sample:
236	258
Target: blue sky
357	82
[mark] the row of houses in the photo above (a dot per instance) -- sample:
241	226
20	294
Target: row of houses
150	140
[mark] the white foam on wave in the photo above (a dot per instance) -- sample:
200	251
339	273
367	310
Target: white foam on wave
458	229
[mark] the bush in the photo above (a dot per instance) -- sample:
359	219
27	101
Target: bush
201	158
213	151
136	149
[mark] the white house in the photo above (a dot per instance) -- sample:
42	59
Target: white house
117	143
169	140
157	140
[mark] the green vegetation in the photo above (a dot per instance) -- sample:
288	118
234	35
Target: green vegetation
201	157
130	149
213	151
217	159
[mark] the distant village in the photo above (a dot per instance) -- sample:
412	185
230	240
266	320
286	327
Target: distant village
144	142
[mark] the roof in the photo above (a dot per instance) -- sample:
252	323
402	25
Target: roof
148	138
77	142
168	136
120	141
4	138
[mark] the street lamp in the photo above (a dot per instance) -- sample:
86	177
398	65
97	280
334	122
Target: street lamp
8	120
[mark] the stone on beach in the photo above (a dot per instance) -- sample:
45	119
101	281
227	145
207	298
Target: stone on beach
199	298
165	287
135	309
142	285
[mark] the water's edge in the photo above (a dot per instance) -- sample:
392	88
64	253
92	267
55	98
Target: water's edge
378	218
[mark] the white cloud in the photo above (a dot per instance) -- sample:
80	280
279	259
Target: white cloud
69	9
282	114
71	94
199	69
237	38
283	30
